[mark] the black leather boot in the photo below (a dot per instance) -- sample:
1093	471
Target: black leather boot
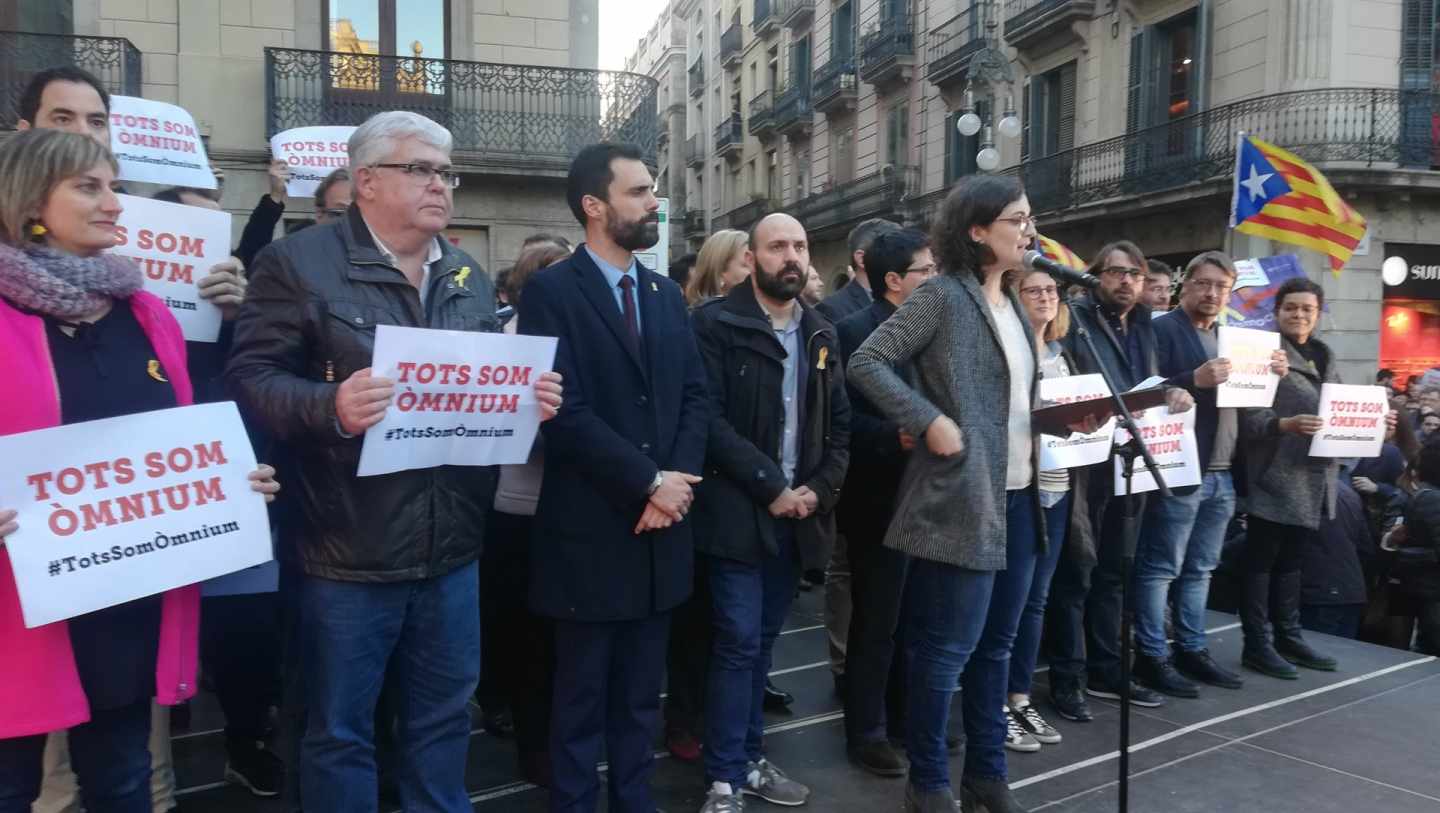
1259	652
1285	609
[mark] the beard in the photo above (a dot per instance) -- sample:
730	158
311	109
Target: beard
784	285
635	235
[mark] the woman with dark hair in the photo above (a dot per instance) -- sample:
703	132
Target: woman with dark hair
968	496
1289	490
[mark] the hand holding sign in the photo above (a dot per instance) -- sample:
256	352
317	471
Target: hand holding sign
171	241
1253	359
361	401
311	153
8	525
1353	421
224	287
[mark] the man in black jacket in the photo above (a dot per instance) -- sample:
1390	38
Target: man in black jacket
388	563
774	464
897	263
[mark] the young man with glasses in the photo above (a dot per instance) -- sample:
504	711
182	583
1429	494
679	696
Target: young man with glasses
1181	536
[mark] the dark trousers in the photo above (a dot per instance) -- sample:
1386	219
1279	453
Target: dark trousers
1340	620
1274	547
110	755
607	700
517	646
687	659
240	640
875	707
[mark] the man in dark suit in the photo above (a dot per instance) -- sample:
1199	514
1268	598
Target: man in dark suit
897	263
612	550
1181	536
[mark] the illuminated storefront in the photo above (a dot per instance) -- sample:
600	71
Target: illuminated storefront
1410	316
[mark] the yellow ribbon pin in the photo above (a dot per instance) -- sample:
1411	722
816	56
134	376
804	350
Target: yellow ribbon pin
152	368
824	354
462	276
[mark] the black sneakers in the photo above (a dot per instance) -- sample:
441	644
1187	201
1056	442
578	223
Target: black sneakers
1139	695
252	765
1160	674
1070	703
878	757
1200	666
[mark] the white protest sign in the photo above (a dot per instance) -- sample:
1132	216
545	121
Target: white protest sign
1251	383
176	246
461	399
1354	416
115	510
1078	449
1171	441
157	142
311	153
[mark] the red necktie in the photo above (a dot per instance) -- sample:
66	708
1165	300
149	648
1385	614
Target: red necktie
632	321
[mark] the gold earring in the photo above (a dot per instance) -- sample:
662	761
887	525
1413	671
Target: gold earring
37	230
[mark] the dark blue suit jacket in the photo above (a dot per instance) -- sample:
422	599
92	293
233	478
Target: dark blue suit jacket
1178	352
625	417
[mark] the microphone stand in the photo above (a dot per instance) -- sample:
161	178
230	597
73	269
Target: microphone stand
1129	533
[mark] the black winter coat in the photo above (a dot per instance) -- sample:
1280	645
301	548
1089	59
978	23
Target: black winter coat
877	463
745	364
307	324
1417	562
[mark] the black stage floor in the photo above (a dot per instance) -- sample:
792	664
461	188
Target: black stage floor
1361	739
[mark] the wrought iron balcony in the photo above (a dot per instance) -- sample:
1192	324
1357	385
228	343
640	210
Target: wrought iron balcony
834	87
507	118
115	61
795	13
730	45
697	77
729	137
1346	128
952	44
887	51
762	119
793	113
1030	22
766	19
695	223
695	151
834	211
744	216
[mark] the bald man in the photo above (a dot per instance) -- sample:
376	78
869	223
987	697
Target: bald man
777	454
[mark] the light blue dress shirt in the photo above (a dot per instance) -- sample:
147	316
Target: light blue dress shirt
612	278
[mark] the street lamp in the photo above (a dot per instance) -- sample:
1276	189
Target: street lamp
990	70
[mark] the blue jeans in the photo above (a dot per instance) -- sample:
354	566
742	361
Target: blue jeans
945	616
987	676
1180	541
430	631
1032	619
749	604
110	755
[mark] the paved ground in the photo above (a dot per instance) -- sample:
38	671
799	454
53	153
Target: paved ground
1361	739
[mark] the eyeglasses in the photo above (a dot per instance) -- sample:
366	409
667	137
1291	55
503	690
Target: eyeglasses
1207	285
1021	221
923	270
1040	292
424	173
1132	273
330	214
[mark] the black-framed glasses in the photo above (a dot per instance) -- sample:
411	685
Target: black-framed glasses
1211	285
424	173
1132	273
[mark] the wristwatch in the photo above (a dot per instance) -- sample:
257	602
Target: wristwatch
655	484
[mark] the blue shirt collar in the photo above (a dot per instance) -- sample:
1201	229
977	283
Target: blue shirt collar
612	273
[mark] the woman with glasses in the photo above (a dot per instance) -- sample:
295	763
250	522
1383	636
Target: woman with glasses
1289	491
968	496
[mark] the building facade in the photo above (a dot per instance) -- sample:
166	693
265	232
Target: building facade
660	54
1129	111
514	80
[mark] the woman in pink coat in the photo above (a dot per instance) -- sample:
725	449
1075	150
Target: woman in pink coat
80	341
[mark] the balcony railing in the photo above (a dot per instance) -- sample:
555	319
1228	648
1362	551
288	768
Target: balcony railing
887	48
730	44
1355	127
522	115
744	216
1028	22
730	135
767	17
952	44
834	86
694	222
697	77
793	113
762	119
694	150
879	195
113	60
795	13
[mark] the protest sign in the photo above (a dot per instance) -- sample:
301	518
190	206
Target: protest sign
1171	441
311	153
119	509
176	246
1354	416
156	142
461	399
1251	383
1078	449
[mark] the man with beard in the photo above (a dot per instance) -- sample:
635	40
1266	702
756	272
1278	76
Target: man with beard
612	551
777	454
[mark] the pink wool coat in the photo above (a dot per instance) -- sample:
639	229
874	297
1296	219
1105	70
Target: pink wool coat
39	686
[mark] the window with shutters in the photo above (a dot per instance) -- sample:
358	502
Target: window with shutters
842	32
1420	82
897	134
960	150
1051	112
842	156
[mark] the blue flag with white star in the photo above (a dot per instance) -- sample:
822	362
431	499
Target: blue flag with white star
1257	182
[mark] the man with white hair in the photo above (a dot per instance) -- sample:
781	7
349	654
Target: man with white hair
388	564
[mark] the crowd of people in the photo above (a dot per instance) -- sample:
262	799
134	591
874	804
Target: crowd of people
707	448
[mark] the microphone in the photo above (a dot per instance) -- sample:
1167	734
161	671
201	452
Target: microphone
1064	274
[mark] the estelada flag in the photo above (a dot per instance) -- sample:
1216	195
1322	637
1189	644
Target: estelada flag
1056	251
1280	196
